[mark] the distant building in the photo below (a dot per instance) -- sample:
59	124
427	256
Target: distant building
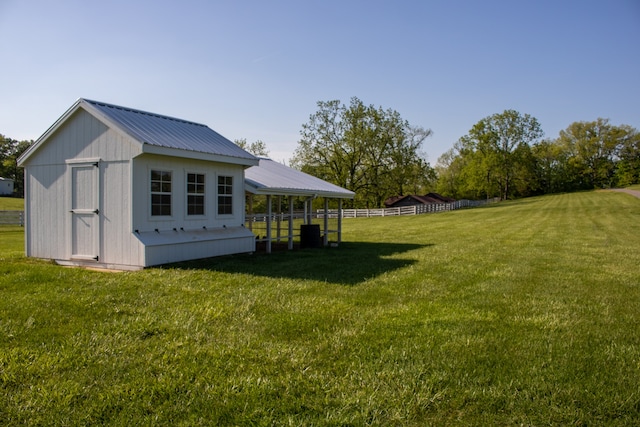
6	186
412	200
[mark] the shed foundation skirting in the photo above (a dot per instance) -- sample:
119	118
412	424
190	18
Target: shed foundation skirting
93	265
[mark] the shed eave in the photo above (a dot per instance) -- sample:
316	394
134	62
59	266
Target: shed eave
270	191
197	155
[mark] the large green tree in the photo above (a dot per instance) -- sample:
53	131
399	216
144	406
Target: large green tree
591	147
368	150
497	155
600	154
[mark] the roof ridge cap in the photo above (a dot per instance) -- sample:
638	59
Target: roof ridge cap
137	111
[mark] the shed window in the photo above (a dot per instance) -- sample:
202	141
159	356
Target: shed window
225	195
195	194
160	193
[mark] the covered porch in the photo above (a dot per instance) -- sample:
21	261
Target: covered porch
280	207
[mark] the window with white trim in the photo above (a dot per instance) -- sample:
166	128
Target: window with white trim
195	194
225	195
160	193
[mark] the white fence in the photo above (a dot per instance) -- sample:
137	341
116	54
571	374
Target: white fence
12	218
408	210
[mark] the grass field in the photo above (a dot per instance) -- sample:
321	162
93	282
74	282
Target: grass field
520	313
11	204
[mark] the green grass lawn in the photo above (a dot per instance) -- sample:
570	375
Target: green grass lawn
11	204
520	313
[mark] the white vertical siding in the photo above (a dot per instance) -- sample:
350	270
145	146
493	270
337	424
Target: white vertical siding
46	212
49	183
118	244
143	221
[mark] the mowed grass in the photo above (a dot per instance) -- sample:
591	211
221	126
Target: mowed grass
11	204
520	313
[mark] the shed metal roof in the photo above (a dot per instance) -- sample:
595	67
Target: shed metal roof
274	178
158	134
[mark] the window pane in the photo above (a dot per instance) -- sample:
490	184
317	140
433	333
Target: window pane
160	192
225	195
195	194
195	205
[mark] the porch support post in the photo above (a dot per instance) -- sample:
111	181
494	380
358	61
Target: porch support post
250	212
308	210
268	249
339	221
326	222
279	216
290	245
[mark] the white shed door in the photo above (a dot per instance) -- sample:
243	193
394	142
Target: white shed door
84	211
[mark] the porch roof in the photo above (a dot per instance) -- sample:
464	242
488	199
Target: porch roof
273	178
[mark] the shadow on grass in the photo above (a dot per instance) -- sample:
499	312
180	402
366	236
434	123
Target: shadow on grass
349	264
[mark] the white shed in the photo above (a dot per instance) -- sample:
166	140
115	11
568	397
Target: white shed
121	188
6	186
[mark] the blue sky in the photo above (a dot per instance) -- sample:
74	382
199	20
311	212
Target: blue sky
256	69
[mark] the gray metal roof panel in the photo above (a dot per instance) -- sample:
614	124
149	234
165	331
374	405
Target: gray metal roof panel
165	131
273	177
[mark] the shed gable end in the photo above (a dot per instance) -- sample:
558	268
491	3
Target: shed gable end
82	135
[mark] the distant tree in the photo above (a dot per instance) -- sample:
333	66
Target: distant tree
498	148
257	148
586	155
368	150
595	149
411	172
628	170
448	169
551	167
10	150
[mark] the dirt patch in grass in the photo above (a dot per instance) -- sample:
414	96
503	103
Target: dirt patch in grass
635	193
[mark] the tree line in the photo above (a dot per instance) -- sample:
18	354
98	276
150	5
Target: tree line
505	156
377	154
